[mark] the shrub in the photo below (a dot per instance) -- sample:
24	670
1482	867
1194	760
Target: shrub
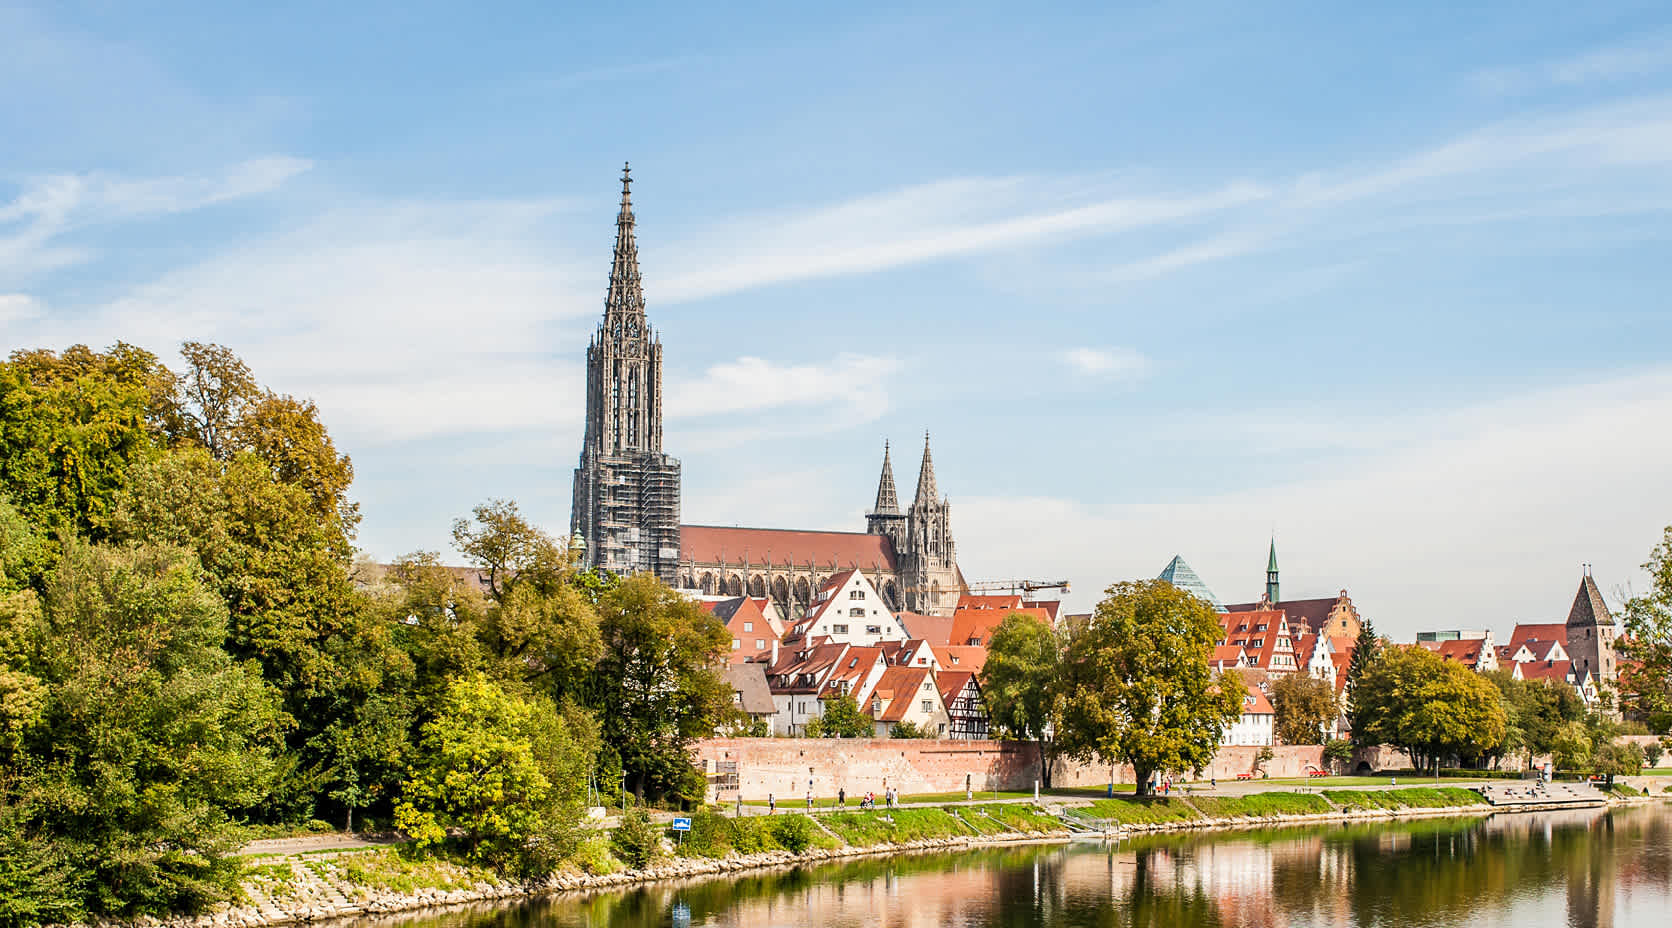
793	833
710	835
593	856
753	835
636	842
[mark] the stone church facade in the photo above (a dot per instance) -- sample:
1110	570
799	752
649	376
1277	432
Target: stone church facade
626	491
909	556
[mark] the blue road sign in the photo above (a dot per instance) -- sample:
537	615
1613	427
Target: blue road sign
681	824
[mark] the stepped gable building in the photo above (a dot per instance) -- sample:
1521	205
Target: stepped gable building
1330	616
626	498
909	557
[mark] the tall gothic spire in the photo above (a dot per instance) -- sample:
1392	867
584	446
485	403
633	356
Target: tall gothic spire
888	502
926	491
626	293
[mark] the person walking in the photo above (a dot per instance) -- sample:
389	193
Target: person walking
841	797
809	799
771	804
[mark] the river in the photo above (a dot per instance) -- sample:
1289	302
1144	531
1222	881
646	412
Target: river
1581	869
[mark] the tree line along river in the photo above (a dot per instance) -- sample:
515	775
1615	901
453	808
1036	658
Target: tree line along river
1581	868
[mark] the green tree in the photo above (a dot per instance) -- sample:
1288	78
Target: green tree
842	719
149	738
213	394
657	686
1535	710
1570	749
1646	647
1021	685
1429	707
1365	651
1301	704
541	624
508	772
1137	685
1338	752
636	841
284	574
908	729
71	426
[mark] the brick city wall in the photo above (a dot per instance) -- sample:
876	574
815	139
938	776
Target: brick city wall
783	766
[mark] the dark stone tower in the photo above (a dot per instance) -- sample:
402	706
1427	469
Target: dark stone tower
626	502
1590	633
885	518
928	559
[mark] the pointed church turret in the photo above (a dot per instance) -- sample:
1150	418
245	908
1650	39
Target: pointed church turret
885	518
1271	575
626	296
926	491
888	502
1591	632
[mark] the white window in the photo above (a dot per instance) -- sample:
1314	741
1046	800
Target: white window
838	629
858	612
735	644
760	642
856	594
873	629
748	626
928	705
928	686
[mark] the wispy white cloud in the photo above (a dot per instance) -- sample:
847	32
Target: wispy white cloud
1513	493
917	224
1642	56
46	209
1107	362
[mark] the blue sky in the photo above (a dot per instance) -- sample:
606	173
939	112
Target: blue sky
1159	278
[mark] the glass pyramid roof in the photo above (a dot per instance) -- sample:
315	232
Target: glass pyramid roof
1179	574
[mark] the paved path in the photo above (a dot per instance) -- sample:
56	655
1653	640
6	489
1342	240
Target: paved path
305	843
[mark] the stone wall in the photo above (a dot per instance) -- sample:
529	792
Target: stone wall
783	767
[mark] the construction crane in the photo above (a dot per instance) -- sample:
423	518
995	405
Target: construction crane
1013	587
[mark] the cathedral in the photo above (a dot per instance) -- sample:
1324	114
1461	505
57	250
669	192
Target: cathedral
626	500
909	557
626	491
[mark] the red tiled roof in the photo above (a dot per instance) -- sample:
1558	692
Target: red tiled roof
1311	613
935	629
961	657
989	601
1465	651
1256	703
1227	654
1538	638
951	683
714	544
1051	607
1243	629
897	687
976	625
1546	670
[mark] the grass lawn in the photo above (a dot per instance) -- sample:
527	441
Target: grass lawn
1416	797
1133	811
1260	804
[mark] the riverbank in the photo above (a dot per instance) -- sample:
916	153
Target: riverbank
319	886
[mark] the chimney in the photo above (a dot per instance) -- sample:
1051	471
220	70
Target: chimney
774	661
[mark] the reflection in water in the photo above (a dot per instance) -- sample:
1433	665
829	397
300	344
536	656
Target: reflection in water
1586	869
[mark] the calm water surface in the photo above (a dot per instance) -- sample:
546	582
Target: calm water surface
1582	869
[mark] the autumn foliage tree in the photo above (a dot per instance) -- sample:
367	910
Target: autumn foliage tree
1301	705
